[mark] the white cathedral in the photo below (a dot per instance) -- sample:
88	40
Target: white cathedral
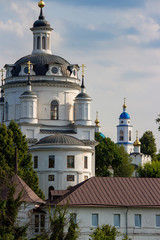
43	94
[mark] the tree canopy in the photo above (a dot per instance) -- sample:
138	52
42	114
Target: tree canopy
9	206
107	153
148	144
106	232
10	138
151	170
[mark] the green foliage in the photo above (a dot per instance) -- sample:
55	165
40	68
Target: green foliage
151	170
108	153
107	232
148	145
9	206
125	168
9	138
59	223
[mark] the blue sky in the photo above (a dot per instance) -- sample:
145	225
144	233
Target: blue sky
118	41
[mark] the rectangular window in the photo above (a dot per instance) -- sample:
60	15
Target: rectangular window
70	178
51	161
157	220
74	215
42	222
70	161
138	220
50	177
36	223
95	220
117	220
85	162
85	178
35	161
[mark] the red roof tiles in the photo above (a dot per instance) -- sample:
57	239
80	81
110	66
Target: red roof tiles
114	191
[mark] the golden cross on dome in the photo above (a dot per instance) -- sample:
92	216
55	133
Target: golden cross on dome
29	66
137	134
2	79
83	66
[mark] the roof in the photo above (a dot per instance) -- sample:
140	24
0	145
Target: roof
83	95
27	193
60	139
114	192
124	115
40	63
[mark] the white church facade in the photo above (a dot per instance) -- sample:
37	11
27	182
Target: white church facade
43	94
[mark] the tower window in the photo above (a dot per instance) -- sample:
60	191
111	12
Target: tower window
70	178
54	110
50	177
6	110
47	42
70	161
38	42
51	161
43	42
121	135
130	133
35	161
85	162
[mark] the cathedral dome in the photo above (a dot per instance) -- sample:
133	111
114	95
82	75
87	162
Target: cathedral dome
60	139
124	115
41	23
40	63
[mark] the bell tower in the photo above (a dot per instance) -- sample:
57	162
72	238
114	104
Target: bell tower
41	33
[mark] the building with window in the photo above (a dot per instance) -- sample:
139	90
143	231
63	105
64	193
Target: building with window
132	205
44	95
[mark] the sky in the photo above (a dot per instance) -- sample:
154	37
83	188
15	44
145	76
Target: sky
118	41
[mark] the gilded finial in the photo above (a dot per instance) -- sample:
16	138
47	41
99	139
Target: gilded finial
29	67
83	66
137	142
97	121
41	4
2	76
124	105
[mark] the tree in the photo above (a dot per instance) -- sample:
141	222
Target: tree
9	138
148	145
151	170
59	222
125	168
108	153
106	232
9	206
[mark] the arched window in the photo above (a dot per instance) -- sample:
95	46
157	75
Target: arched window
47	42
130	133
38	42
6	110
51	188
54	110
43	42
121	136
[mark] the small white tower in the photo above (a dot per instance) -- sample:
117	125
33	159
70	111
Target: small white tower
124	130
41	33
29	103
137	144
82	105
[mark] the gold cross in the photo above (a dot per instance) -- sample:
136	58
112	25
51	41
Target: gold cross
97	115
124	101
29	66
83	66
136	134
2	79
